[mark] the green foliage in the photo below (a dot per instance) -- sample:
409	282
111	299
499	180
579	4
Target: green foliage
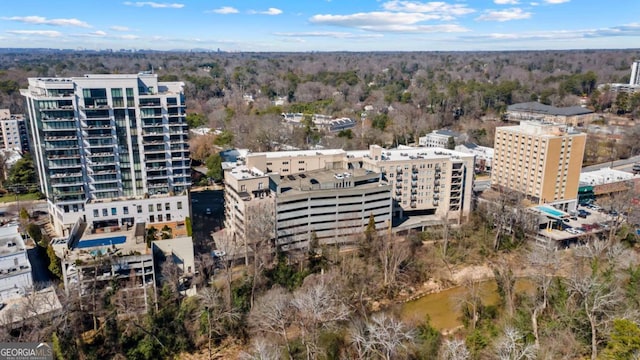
195	120
427	341
214	167
224	139
187	223
477	341
34	232
285	274
315	107
23	173
167	233
451	143
24	214
624	343
335	78
168	78
54	262
346	134
9	86
332	342
241	295
152	235
632	286
380	121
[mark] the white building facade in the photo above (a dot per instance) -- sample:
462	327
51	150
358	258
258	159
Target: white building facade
15	268
106	137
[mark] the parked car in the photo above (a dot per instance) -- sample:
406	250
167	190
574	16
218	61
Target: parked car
571	230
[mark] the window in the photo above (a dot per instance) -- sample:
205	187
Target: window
125	210
179	205
160	217
151	218
159	207
150	207
243	188
259	186
168	217
139	208
95	212
114	211
104	212
167	206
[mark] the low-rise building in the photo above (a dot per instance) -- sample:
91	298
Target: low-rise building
483	154
15	269
440	138
535	111
607	181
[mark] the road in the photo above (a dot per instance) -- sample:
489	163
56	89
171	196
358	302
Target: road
202	223
617	163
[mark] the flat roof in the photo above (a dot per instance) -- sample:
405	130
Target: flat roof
428	153
318	180
605	176
244	172
11	241
536	107
284	154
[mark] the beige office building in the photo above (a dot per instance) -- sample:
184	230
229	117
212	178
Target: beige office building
541	160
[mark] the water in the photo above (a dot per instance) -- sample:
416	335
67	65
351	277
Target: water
443	309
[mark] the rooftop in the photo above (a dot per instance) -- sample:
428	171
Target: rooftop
295	153
542	128
11	241
243	172
417	153
325	180
605	176
536	107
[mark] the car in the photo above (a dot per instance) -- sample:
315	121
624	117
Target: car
219	253
582	215
571	231
565	220
574	218
208	211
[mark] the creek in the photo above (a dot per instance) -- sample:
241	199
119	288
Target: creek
443	307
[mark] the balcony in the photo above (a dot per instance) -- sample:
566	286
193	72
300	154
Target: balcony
61	138
157	176
155	160
414	169
399	178
155	150
398	192
67	127
414	184
414	191
413	198
65	175
152	125
152	133
399	185
62	156
414	177
413	204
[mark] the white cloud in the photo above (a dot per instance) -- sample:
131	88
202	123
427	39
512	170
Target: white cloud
128	37
47	33
119	28
444	10
154	5
269	11
224	10
330	34
534	3
504	15
388	22
556	1
41	20
506	2
615	31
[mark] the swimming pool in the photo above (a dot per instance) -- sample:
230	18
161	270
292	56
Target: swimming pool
114	240
551	211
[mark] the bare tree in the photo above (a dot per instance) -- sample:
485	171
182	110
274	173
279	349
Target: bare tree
272	314
217	312
545	262
317	306
391	253
598	299
511	346
506	284
471	302
260	232
454	350
262	350
382	337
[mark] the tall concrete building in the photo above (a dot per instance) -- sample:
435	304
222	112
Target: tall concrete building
635	73
13	132
108	138
540	160
332	193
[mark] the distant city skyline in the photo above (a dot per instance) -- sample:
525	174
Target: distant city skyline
321	25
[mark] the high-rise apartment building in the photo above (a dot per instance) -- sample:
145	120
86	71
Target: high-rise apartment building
108	138
635	73
540	160
13	132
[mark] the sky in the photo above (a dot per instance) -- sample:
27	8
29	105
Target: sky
321	25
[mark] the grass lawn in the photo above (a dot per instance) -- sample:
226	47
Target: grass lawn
21	197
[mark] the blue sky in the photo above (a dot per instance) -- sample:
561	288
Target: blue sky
322	25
